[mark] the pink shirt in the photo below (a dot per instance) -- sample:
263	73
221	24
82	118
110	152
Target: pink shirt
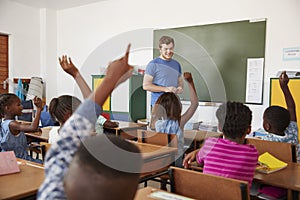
225	158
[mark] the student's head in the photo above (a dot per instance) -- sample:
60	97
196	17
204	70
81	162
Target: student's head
61	108
10	104
234	120
167	106
166	47
276	119
90	176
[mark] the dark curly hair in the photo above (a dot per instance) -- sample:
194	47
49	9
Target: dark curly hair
278	118
234	119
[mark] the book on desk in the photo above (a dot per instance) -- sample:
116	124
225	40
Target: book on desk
8	163
267	163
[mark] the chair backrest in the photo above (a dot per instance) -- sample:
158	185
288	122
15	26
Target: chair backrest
197	185
45	146
27	111
281	150
157	138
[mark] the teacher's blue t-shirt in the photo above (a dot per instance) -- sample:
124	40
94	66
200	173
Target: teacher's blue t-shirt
165	73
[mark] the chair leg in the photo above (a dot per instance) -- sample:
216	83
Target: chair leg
163	184
145	183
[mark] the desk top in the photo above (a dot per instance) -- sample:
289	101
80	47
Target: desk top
125	125
156	158
151	151
200	135
145	194
23	184
288	177
44	135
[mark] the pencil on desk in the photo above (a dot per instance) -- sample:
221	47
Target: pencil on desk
37	166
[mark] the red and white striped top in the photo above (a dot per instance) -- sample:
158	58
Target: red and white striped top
229	159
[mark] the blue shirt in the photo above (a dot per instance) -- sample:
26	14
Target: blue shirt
290	136
16	143
165	73
59	156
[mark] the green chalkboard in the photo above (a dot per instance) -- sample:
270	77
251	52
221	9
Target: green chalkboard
217	54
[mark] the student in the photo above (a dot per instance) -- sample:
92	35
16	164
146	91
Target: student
229	156
12	136
280	123
163	74
108	182
68	66
59	158
60	109
166	115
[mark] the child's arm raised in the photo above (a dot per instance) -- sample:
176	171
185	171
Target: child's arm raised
15	126
117	72
78	127
194	100
68	66
284	80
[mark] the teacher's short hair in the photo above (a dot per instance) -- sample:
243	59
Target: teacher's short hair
165	40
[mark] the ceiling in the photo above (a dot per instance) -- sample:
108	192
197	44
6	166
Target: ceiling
55	4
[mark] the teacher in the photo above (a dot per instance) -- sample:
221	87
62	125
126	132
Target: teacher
163	74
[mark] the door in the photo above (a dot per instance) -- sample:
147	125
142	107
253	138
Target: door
3	63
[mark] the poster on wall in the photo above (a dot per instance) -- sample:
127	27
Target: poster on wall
254	86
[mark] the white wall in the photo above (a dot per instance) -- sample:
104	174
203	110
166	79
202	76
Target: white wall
23	26
97	33
82	30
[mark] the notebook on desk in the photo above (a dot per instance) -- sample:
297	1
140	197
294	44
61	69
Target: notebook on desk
8	163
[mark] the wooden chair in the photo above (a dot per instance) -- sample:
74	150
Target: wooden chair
205	186
161	139
157	138
281	150
45	146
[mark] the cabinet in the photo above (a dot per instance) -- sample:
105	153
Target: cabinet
127	102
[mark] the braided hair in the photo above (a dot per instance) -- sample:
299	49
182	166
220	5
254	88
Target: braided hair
234	119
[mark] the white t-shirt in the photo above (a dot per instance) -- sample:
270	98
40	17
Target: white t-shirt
53	135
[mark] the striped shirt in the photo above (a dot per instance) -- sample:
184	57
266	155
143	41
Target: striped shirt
229	159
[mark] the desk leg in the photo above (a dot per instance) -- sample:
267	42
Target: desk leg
295	194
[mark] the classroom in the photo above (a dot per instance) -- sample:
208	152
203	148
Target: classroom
39	36
95	32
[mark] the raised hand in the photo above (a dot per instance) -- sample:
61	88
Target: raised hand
68	66
38	102
188	77
283	79
120	69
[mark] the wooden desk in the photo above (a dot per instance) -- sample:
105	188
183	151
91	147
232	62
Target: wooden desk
157	160
288	178
144	194
40	136
126	130
23	184
198	136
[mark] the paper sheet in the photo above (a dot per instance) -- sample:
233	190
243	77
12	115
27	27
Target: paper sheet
255	71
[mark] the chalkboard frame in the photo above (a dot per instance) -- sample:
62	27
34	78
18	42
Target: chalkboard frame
217	54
